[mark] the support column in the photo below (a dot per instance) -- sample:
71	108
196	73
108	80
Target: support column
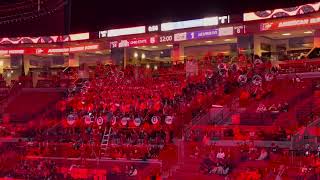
317	38
246	44
177	53
74	60
125	57
4	63
117	55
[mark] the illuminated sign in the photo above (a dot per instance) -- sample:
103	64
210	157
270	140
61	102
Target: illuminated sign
210	33
153	28
80	36
48	50
285	12
122	32
134	42
180	37
290	23
103	34
45	39
202	34
226	31
241	29
210	21
167	38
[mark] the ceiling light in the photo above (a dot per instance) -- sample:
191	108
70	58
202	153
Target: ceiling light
169	45
135	55
308	32
208	41
286	34
227	40
154	47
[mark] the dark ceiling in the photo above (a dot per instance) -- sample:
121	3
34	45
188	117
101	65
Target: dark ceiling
94	15
103	14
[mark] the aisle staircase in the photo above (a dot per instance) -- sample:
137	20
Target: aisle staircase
105	140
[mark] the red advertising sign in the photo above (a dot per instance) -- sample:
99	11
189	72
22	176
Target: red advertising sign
145	41
289	23
48	50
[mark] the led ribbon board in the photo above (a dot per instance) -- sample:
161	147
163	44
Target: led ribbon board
45	39
122	32
210	21
285	12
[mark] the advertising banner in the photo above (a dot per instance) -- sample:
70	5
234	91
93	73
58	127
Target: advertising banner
44	51
289	23
145	41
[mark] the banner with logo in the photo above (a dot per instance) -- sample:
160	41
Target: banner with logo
144	41
210	33
289	23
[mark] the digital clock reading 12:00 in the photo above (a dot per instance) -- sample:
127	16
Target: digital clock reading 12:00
166	38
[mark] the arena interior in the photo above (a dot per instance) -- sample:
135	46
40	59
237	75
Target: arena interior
207	98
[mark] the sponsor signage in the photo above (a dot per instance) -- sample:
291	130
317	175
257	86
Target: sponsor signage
210	21
180	37
210	33
289	23
203	34
103	34
226	31
134	42
122	32
48	50
45	39
285	12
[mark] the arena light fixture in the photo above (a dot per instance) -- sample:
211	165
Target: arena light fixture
135	55
154	47
169	45
228	40
143	56
209	41
308	32
286	34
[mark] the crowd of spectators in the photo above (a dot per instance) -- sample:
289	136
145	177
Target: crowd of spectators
136	103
